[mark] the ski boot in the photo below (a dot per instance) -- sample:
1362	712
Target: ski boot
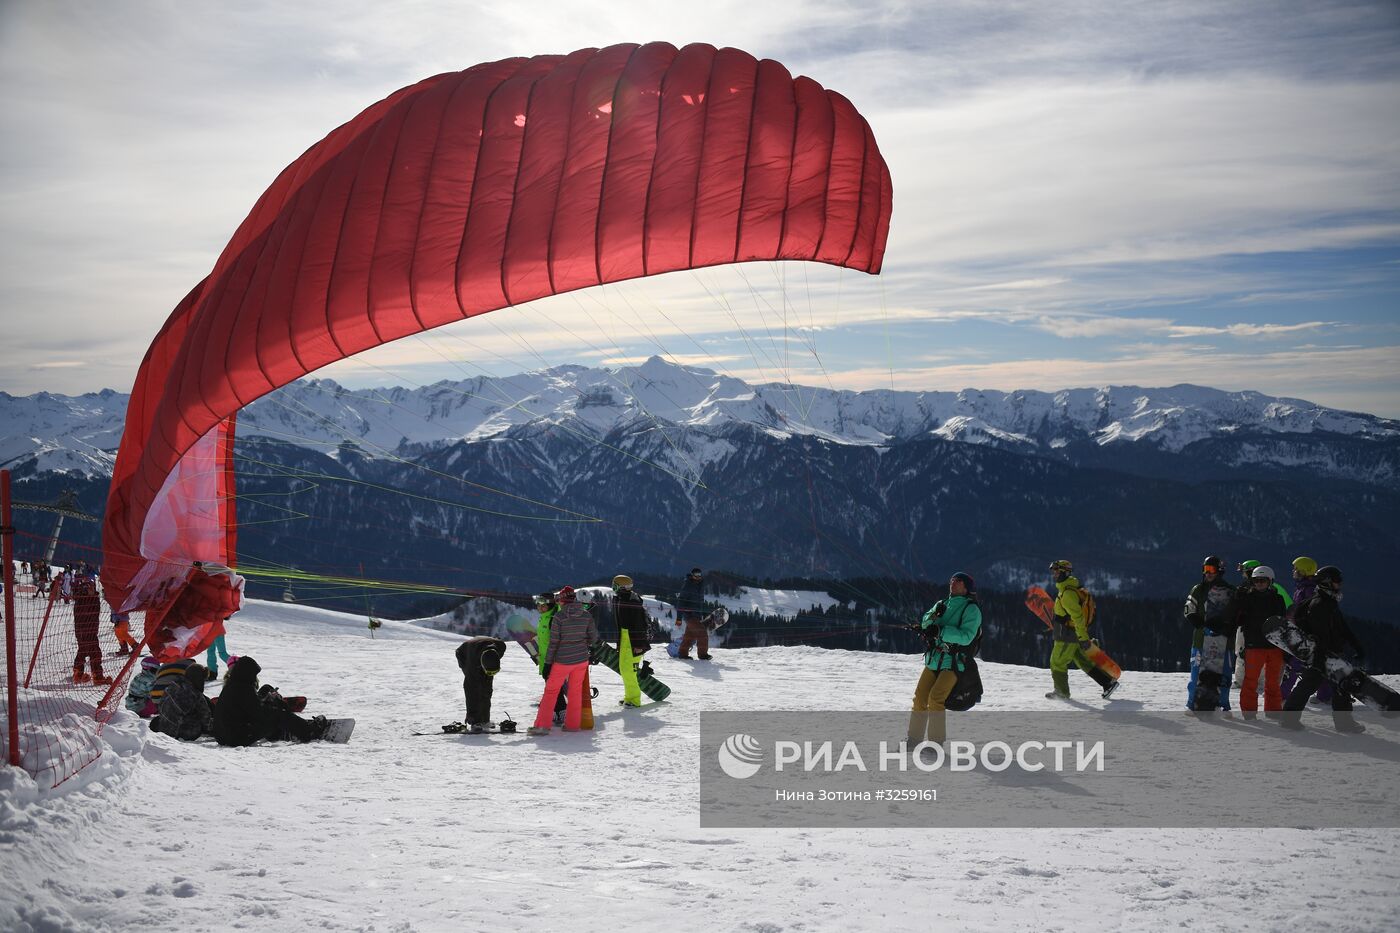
1111	689
1056	695
1346	722
79	677
477	728
537	730
703	657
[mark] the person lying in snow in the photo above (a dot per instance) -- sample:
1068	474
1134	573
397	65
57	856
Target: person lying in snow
243	716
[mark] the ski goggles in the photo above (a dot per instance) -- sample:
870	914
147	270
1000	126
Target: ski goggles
1210	568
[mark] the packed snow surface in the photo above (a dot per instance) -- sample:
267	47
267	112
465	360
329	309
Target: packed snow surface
599	830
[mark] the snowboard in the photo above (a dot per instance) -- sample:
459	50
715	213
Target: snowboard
1043	605
338	731
608	656
1213	648
1282	632
716	619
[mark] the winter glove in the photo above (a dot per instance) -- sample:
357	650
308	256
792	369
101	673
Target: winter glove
1085	645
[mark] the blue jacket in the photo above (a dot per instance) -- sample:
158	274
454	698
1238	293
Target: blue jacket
959	619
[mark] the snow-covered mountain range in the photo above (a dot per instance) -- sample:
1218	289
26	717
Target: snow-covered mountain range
81	433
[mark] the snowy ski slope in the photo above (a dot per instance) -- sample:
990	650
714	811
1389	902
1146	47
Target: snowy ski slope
599	830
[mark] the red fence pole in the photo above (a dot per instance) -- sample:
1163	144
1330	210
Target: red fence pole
7	551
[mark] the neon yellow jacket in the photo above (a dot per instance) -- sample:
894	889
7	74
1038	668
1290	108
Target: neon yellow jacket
1069	613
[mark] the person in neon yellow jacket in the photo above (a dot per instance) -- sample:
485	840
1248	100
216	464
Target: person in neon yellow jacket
951	624
1071	633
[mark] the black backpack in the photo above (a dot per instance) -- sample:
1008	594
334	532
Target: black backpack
968	691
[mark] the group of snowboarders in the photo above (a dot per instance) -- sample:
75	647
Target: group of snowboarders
1227	618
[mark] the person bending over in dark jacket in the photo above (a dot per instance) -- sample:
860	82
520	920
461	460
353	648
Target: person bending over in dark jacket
244	716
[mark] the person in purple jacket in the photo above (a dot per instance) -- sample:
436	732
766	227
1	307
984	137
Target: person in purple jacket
1304	576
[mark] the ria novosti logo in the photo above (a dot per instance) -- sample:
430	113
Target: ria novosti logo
740	756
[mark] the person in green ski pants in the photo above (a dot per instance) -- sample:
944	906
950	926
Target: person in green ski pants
1071	634
633	639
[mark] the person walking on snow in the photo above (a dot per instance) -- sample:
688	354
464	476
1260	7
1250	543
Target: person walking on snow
1253	609
572	632
690	609
952	624
1207	607
1071	634
1321	617
1305	588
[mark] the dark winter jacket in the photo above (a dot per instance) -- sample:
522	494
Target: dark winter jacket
691	598
240	716
631	614
480	656
1321	617
572	632
1208	606
1252	609
184	710
87	610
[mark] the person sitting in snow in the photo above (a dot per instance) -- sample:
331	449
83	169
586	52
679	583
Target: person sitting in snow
244	717
184	710
138	694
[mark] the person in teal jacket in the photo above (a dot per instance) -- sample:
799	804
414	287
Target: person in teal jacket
948	628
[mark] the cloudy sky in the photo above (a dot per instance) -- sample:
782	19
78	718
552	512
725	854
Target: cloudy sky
1085	193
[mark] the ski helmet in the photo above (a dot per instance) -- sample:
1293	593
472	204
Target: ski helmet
1262	573
1305	566
1057	566
1213	563
1328	576
566	594
544	599
695	571
1247	567
622	582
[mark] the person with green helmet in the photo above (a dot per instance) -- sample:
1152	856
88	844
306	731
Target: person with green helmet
1071	633
547	606
949	629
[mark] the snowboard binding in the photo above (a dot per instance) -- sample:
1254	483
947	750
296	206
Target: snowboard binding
507	725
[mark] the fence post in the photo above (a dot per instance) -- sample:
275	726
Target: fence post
7	551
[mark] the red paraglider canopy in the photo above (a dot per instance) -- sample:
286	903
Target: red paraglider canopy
461	194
